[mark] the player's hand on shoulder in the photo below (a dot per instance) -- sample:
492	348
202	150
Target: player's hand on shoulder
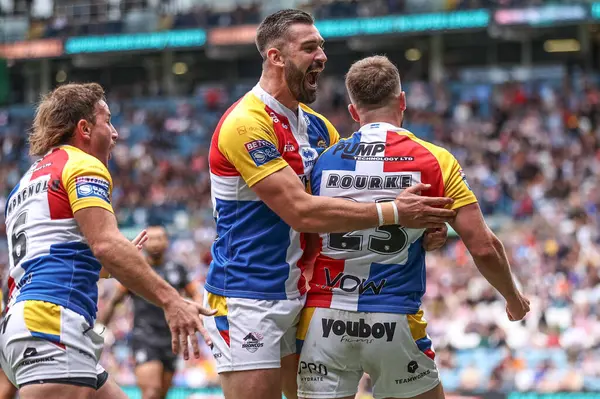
185	319
418	212
435	238
517	307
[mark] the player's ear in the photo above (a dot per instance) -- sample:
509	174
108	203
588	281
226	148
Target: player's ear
83	128
353	112
402	101
275	57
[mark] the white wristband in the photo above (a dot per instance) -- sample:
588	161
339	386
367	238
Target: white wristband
396	221
379	213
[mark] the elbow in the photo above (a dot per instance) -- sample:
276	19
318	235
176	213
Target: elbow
102	250
487	247
301	218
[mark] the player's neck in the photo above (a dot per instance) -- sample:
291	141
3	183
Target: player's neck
279	90
85	148
375	117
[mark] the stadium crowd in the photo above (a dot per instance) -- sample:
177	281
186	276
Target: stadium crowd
531	152
64	18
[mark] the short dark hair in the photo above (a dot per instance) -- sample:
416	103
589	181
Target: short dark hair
275	26
372	82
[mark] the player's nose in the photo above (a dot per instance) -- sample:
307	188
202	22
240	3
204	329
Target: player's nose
321	57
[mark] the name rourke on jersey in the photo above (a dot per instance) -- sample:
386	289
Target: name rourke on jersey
362	182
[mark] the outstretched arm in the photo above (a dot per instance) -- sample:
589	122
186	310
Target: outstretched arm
284	193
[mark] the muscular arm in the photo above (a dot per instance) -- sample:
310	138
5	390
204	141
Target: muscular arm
486	249
121	258
106	314
284	193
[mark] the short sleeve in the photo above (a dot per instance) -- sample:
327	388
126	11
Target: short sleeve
455	183
251	147
88	183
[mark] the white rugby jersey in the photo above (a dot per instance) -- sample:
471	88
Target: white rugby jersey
49	257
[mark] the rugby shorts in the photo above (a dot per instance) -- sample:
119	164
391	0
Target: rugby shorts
251	334
337	346
43	342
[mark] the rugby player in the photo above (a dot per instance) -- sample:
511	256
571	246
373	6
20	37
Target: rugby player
363	308
261	155
61	228
151	341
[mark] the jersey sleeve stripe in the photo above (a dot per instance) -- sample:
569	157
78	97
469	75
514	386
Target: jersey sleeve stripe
231	188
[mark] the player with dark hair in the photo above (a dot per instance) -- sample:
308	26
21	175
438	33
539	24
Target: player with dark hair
261	155
151	338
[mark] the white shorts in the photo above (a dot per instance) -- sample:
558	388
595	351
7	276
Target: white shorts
44	342
337	346
251	334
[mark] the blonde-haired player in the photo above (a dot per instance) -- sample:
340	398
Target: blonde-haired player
61	230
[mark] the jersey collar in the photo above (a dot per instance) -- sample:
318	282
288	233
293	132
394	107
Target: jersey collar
379	126
277	106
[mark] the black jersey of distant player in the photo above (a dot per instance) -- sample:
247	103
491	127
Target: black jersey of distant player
149	323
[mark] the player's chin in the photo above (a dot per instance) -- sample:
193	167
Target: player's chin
309	94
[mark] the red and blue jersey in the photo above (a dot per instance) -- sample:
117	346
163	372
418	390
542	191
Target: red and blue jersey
50	260
380	269
256	254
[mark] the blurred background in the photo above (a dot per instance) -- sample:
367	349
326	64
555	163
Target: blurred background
510	87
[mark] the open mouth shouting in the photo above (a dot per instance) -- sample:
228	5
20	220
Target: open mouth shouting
311	79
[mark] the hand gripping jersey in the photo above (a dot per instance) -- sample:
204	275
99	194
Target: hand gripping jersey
256	254
49	258
380	269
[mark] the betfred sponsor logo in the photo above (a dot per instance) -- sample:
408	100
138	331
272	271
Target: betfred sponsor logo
261	151
358	329
252	342
349	283
90	186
